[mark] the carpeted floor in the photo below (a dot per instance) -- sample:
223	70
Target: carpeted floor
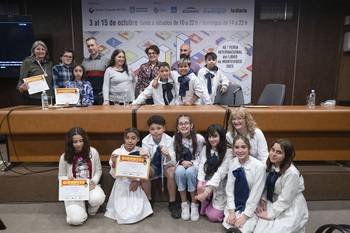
50	218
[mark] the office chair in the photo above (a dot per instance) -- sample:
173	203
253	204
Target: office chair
273	94
232	97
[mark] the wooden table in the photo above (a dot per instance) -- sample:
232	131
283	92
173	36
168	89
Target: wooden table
37	135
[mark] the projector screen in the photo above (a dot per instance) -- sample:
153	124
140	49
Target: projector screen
16	40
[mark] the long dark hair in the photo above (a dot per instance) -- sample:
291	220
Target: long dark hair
84	71
289	154
112	61
221	147
69	152
178	138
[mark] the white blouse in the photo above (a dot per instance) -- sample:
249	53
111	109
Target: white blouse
256	176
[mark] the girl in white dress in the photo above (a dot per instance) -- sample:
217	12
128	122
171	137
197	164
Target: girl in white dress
242	122
244	187
128	202
283	207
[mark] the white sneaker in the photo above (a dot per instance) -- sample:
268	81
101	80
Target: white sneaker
185	211
93	210
194	212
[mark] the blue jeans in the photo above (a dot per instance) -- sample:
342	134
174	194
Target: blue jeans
186	178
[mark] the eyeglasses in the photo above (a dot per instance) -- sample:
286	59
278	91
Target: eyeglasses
186	123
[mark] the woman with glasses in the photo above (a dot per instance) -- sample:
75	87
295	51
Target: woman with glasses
148	71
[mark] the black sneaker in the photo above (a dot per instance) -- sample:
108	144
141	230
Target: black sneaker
175	209
233	230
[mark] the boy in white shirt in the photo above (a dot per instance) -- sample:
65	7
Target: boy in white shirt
212	77
161	89
161	149
189	89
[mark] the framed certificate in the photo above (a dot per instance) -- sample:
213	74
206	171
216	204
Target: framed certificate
73	190
36	84
132	166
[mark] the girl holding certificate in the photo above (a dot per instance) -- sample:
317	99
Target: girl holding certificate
128	202
80	161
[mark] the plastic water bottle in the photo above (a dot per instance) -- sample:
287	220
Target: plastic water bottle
125	98
311	99
44	101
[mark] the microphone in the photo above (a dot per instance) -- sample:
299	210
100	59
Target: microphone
237	89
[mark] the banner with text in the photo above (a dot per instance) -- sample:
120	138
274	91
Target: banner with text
224	27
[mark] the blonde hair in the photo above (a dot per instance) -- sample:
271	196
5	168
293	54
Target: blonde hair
36	44
249	121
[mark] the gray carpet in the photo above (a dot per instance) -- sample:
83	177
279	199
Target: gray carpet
50	217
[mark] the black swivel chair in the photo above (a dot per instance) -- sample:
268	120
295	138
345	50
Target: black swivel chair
273	94
232	97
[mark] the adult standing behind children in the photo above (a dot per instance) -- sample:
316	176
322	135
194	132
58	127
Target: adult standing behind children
80	161
242	122
148	71
95	66
160	147
185	52
63	72
37	63
118	83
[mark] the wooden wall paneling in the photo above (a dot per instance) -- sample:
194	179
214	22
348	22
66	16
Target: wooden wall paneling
318	52
274	54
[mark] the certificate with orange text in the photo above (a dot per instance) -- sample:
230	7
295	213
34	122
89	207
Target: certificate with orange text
132	166
73	190
36	84
67	96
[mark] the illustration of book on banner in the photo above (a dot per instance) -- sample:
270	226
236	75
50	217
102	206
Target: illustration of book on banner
77	190
67	96
132	166
36	84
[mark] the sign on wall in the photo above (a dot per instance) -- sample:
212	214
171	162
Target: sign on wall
225	27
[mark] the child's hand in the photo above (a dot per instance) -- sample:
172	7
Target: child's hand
164	152
92	185
114	160
200	187
134	185
155	81
223	89
202	196
144	153
186	164
187	103
231	218
261	206
241	221
262	214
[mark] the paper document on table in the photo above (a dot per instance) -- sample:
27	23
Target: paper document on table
67	96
